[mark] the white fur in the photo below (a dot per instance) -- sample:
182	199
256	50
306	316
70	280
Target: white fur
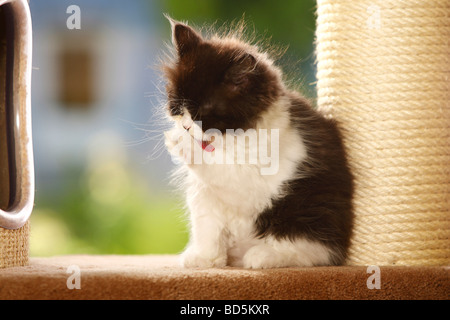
224	201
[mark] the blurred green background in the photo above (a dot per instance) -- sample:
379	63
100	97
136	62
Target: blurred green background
102	175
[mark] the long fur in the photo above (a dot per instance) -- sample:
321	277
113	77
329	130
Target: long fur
301	215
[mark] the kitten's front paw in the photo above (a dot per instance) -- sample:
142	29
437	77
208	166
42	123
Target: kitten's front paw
194	259
172	138
260	257
180	146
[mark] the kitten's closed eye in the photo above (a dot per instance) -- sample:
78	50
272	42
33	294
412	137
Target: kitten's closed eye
176	108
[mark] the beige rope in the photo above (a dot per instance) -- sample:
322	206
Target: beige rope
14	246
383	69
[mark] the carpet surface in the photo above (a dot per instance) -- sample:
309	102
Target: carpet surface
160	277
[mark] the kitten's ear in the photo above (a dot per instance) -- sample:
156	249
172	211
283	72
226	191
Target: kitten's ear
247	62
184	38
238	74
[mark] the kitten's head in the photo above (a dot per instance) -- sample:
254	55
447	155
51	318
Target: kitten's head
222	81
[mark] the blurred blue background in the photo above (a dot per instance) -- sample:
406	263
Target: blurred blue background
102	173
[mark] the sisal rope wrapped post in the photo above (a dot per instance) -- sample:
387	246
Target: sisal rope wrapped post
383	69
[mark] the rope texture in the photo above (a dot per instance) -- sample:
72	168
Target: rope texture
14	246
383	69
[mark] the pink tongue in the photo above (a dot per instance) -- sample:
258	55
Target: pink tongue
207	146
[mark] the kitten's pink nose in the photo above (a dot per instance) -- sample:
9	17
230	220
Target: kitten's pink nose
186	127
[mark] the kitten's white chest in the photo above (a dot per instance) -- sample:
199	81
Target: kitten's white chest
235	195
234	200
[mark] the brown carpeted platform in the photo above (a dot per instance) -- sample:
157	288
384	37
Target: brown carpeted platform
160	277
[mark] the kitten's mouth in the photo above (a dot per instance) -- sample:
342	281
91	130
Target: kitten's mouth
205	144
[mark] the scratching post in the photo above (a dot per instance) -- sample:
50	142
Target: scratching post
16	154
383	70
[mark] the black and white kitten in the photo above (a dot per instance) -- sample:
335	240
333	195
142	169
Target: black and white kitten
289	205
